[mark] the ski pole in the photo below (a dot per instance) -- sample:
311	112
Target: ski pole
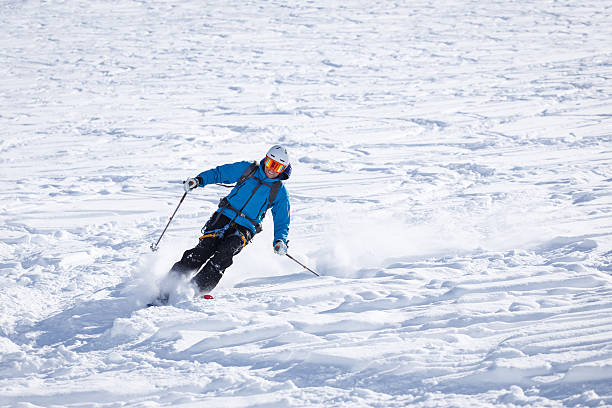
301	264
154	246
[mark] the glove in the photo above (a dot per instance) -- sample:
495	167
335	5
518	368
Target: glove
190	184
280	248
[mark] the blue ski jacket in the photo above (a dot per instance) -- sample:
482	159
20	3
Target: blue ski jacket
251	197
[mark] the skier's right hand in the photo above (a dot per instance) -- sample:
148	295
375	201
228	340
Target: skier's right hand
280	248
190	184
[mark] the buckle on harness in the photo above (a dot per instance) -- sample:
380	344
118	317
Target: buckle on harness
224	203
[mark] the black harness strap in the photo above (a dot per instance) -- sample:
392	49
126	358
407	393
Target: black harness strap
248	173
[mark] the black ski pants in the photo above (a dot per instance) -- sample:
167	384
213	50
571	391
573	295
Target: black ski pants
215	251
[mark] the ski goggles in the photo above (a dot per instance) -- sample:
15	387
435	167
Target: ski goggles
274	165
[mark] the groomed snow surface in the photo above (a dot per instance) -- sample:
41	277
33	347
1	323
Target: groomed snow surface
452	185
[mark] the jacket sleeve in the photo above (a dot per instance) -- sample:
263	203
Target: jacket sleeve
281	213
227	173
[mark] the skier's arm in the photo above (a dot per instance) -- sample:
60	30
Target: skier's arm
227	173
281	213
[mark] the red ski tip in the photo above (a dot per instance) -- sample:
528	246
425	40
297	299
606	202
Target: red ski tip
208	297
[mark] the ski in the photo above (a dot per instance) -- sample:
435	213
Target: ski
160	300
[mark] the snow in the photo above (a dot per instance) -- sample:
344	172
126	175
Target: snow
451	180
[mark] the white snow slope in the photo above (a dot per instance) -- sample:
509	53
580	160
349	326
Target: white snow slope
452	185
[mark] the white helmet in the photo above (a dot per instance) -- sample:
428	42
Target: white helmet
279	153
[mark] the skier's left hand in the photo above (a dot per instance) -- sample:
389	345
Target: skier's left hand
280	248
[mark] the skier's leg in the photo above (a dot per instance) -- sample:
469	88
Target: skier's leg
193	258
191	261
230	245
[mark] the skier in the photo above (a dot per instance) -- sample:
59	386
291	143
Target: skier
238	219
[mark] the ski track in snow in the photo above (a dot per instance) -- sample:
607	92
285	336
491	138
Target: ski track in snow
452	185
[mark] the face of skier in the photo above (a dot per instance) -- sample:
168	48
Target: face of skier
271	173
272	168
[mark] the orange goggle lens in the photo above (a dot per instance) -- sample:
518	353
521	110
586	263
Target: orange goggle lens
274	165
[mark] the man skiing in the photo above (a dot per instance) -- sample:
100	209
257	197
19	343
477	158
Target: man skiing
258	188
